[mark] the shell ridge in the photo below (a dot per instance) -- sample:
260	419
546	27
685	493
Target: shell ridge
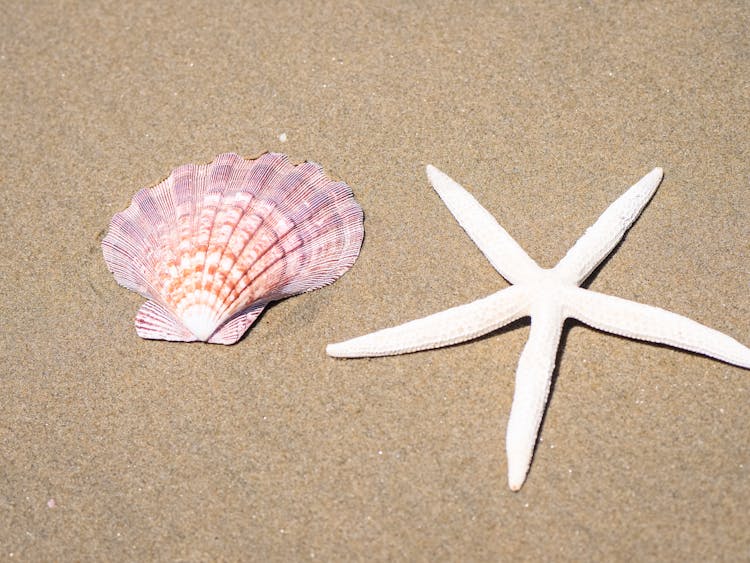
312	279
163	232
317	195
220	173
263	248
127	233
211	220
344	258
164	193
294	229
257	229
185	180
287	253
300	184
345	222
153	231
155	322
170	196
284	256
233	328
250	287
121	253
242	231
346	219
204	189
224	242
212	288
265	171
192	196
269	172
200	291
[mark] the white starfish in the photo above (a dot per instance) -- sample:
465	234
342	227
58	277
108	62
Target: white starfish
549	296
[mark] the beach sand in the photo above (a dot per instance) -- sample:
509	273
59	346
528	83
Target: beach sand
115	448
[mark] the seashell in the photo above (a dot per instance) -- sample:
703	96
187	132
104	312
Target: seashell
212	245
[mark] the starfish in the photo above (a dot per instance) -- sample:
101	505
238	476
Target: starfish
548	296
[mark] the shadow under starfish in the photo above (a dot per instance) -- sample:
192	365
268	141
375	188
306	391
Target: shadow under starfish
548	296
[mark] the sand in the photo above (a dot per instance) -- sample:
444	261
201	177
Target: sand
115	448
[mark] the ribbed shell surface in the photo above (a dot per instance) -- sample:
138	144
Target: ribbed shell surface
212	244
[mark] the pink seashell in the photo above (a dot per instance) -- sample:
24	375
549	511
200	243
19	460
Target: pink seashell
212	245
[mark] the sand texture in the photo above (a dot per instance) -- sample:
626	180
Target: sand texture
115	448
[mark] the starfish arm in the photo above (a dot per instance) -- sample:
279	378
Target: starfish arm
533	378
452	326
599	239
645	322
503	252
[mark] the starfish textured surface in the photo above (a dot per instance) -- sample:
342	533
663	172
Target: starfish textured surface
548	296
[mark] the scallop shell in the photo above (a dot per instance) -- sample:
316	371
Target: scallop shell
212	245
